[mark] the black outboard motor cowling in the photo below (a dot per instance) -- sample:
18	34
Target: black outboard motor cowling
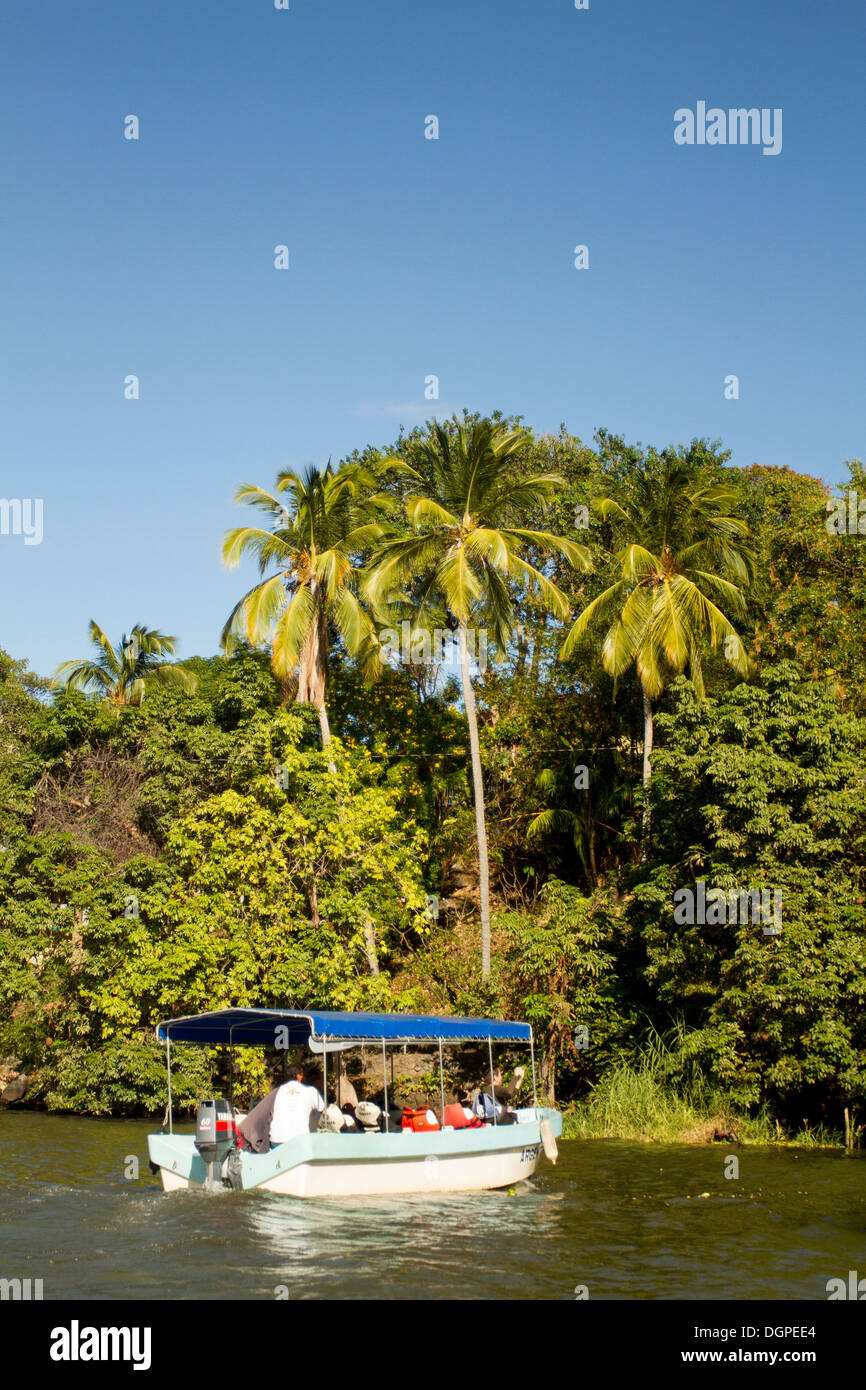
215	1134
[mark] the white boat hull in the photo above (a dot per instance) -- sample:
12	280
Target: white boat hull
343	1165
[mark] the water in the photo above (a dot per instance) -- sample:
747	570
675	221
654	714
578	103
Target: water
625	1220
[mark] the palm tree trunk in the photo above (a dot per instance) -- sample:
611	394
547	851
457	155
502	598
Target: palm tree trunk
647	769
696	670
533	662
478	792
590	838
324	725
309	680
326	734
311	673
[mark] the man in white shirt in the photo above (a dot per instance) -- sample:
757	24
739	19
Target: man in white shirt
294	1106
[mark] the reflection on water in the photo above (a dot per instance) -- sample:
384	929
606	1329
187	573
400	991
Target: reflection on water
626	1220
426	1238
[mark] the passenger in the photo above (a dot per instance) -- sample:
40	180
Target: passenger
486	1106
503	1094
393	1118
367	1116
332	1120
346	1093
296	1108
255	1128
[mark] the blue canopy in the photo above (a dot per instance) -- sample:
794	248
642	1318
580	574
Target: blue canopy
259	1027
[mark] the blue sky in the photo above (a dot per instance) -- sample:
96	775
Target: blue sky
409	257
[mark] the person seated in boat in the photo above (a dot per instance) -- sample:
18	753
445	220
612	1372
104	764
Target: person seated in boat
392	1117
255	1128
504	1093
346	1093
486	1105
332	1120
297	1106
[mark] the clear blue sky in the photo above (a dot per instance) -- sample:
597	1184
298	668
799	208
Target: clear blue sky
408	257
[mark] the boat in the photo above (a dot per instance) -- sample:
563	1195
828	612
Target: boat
327	1164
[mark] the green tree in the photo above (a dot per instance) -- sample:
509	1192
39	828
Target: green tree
808	601
589	804
466	553
680	547
123	673
558	976
19	761
762	789
64	949
333	517
267	891
272	888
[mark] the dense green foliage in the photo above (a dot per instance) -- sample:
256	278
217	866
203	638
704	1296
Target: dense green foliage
202	847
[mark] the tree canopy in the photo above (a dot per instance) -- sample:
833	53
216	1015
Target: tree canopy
467	836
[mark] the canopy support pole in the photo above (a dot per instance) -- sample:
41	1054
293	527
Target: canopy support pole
168	1066
441	1084
532	1056
325	1072
492	1087
232	1071
385	1088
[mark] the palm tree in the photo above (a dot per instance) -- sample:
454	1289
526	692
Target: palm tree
333	516
598	803
681	548
465	554
123	673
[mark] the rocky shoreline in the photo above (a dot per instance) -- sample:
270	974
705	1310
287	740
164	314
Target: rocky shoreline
14	1083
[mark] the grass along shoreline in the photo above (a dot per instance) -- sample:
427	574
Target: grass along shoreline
638	1104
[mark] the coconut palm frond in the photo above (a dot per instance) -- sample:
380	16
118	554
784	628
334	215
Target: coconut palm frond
122	672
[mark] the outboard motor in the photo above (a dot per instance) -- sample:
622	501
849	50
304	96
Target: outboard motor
215	1136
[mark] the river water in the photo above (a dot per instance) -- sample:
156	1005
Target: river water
623	1220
